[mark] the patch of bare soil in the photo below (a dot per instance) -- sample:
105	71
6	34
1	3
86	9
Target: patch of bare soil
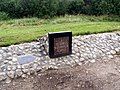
101	75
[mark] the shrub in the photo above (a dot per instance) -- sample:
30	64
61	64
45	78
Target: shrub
51	8
4	16
75	7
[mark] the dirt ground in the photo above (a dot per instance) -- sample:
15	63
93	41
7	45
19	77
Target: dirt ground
101	75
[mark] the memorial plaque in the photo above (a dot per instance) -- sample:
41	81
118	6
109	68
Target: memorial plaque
60	44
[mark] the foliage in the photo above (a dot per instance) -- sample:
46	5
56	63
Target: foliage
4	16
75	7
51	8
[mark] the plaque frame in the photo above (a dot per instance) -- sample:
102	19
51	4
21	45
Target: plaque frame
51	37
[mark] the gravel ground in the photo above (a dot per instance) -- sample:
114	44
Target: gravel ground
100	75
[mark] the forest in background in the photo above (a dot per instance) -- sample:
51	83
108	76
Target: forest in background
51	8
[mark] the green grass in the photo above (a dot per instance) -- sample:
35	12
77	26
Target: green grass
26	30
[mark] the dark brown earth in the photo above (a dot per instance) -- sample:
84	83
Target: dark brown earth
101	75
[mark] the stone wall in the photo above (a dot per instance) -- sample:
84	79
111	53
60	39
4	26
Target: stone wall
28	58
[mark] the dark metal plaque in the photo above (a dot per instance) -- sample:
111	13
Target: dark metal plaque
60	44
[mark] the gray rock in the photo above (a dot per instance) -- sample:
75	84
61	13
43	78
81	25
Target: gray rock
117	50
2	76
18	72
111	56
24	75
6	61
25	70
1	57
92	61
8	80
113	52
11	74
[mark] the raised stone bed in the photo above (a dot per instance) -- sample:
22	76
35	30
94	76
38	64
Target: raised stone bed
28	58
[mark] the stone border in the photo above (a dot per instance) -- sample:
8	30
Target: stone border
87	48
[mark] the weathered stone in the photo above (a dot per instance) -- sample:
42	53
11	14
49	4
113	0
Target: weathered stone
112	52
8	80
110	56
1	57
108	53
14	59
82	59
2	76
19	66
10	62
6	61
18	72
25	70
117	50
92	61
3	68
12	67
11	74
25	66
1	51
24	75
78	54
38	68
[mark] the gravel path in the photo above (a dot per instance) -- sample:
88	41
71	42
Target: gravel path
101	75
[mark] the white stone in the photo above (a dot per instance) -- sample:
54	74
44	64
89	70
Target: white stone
8	80
75	46
77	60
25	70
117	49
92	61
11	74
78	54
0	57
1	51
94	56
79	63
8	68
113	52
3	67
2	76
19	72
25	66
32	71
24	75
28	73
82	59
108	53
9	53
19	66
73	52
112	47
10	62
14	59
9	58
13	67
38	68
35	65
6	61
110	56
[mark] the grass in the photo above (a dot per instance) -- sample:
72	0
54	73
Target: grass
29	29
